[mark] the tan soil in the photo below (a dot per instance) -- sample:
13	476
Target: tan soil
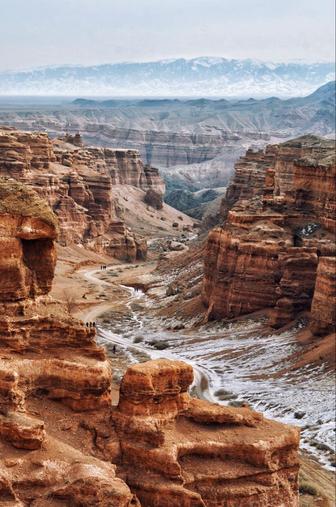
73	266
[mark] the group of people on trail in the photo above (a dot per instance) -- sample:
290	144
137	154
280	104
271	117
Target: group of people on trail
90	324
103	267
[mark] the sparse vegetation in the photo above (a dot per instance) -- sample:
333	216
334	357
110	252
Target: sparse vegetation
307	489
69	299
18	199
138	339
159	345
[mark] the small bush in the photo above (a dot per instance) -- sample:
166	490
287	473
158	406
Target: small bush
138	339
154	199
306	488
159	345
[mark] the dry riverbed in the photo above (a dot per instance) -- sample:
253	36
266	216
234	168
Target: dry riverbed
100	296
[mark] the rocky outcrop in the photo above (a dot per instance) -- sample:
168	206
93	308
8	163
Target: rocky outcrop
61	440
176	450
323	310
124	245
27	230
278	226
78	183
153	199
44	357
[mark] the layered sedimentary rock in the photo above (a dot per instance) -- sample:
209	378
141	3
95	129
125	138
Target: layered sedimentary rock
78	183
27	231
176	450
48	357
278	226
323	310
124	245
62	442
249	177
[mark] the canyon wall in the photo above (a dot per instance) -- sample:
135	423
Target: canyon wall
323	310
160	148
78	183
278	232
62	442
45	357
158	142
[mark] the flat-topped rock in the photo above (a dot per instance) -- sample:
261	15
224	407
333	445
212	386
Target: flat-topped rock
195	453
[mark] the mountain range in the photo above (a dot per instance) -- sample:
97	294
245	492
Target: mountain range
204	76
314	113
194	142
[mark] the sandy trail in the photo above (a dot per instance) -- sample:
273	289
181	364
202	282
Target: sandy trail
119	291
202	379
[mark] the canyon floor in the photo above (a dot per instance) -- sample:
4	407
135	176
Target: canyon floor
135	322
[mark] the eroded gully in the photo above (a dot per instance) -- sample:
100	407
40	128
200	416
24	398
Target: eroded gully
235	362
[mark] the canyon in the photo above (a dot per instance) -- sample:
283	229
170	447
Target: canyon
89	190
138	384
64	441
194	142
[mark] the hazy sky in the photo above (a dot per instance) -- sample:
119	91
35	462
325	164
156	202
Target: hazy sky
48	32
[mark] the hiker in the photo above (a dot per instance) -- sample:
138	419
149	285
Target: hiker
87	324
114	349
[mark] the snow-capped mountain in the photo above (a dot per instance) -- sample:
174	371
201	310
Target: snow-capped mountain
204	76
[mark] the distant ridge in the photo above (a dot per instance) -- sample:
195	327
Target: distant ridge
314	113
325	92
204	76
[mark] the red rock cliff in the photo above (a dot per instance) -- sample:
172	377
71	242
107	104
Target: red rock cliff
44	357
323	310
78	183
279	223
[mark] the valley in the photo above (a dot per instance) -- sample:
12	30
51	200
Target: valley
242	362
193	142
152	343
236	362
167	253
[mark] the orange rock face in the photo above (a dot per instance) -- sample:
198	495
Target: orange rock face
46	357
61	440
27	231
176	450
323	311
279	224
78	184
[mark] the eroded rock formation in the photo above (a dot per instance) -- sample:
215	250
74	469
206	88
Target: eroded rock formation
323	310
61	440
44	356
279	226
176	450
78	183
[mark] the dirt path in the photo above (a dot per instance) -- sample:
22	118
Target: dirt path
112	286
316	482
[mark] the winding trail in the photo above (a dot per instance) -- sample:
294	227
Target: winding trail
202	376
236	362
